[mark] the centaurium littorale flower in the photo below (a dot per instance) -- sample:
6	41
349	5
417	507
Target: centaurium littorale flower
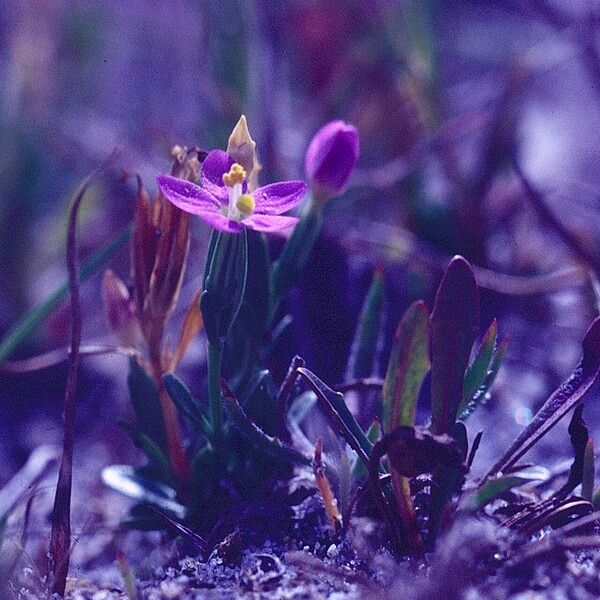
331	157
225	202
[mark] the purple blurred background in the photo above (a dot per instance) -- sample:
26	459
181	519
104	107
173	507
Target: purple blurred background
445	95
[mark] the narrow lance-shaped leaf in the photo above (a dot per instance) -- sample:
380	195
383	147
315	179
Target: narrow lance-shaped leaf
327	495
363	356
271	445
339	414
408	364
565	398
496	486
186	404
149	448
407	367
465	410
479	368
454	324
373	435
146	404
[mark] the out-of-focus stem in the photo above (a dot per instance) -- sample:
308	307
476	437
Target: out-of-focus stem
215	354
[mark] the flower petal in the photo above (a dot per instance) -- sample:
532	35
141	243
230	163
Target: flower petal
218	221
187	196
270	223
277	198
215	165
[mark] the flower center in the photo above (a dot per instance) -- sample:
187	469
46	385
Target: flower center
240	205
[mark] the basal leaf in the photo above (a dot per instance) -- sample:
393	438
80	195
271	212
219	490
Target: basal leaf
496	486
407	367
146	404
186	404
149	448
454	324
335	408
271	445
408	364
564	399
477	372
482	394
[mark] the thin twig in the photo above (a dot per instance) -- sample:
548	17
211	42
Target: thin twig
55	357
398	241
547	216
60	537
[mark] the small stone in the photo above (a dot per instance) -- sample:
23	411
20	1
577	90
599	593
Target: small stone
332	551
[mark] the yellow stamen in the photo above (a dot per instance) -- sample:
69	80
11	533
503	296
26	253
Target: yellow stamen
245	204
236	174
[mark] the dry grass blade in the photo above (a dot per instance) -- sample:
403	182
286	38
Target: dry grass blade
565	398
60	537
329	501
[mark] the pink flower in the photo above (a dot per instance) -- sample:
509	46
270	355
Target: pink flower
223	200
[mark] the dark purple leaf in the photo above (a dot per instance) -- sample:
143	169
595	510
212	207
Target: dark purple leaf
454	324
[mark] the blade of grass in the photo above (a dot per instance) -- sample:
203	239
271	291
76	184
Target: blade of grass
60	536
478	369
335	408
564	399
497	486
36	316
483	392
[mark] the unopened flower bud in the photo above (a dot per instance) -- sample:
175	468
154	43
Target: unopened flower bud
331	157
242	148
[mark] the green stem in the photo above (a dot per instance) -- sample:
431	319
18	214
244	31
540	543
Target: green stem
215	354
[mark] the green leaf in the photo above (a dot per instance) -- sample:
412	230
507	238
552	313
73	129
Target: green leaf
374	435
271	445
483	392
564	399
454	324
496	486
146	404
156	456
478	369
335	408
407	367
36	316
224	283
186	404
363	356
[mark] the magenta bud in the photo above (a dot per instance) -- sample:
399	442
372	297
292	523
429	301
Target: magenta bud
331	156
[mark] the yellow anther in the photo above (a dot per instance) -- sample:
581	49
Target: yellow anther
245	204
236	175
